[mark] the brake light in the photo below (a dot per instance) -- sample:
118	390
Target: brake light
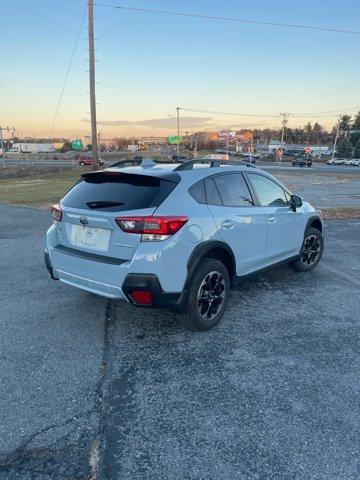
56	212
152	228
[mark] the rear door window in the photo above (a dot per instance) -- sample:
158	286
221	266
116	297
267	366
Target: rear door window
233	190
109	191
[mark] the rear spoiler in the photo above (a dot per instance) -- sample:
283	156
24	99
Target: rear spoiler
103	176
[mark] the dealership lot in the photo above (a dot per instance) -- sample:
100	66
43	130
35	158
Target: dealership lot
273	392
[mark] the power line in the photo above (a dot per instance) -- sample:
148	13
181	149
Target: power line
229	113
334	113
67	73
230	19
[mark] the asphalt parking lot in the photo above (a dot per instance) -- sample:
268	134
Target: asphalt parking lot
271	393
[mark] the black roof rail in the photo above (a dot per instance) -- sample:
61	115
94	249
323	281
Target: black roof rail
122	163
189	165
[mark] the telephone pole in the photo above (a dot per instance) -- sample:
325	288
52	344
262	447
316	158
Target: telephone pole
178	130
94	138
7	129
336	138
284	121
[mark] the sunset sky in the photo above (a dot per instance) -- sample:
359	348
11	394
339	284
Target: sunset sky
148	64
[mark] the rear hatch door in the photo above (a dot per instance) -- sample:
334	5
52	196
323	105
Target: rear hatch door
90	208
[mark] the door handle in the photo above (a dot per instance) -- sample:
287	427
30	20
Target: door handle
228	224
271	220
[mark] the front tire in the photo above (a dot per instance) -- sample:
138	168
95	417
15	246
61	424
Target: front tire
208	295
311	251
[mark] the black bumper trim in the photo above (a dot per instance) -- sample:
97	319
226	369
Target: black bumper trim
89	256
150	282
49	266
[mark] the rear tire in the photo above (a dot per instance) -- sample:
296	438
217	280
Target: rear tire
82	164
311	251
208	295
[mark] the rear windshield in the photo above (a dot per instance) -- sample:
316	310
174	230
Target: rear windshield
116	192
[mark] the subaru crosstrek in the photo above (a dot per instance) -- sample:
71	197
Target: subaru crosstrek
179	237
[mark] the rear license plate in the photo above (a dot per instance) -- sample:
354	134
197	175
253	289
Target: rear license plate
97	238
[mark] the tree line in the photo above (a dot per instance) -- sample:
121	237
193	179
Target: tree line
348	144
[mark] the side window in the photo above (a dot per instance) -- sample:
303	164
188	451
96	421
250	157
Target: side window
212	194
270	193
233	190
197	191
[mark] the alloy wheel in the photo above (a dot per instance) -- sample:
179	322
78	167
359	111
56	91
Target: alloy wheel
211	295
310	250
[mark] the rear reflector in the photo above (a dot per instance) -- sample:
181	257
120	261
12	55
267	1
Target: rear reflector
56	212
164	225
141	297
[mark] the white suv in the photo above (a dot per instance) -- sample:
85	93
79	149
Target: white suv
179	236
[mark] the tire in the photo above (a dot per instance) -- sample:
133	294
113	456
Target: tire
191	316
82	164
312	238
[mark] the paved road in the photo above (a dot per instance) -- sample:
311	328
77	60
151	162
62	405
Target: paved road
51	347
284	166
272	393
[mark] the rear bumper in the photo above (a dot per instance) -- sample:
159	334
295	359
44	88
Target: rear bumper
130	282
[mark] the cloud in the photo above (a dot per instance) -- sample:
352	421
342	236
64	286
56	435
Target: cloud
167	122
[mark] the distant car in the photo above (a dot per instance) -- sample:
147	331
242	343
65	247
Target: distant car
356	162
178	158
336	161
250	156
86	160
302	161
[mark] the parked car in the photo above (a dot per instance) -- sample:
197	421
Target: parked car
302	161
179	237
178	158
335	161
250	156
86	160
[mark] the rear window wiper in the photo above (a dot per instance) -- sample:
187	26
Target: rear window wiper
103	204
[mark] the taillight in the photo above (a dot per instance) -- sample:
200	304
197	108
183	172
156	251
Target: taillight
56	212
152	228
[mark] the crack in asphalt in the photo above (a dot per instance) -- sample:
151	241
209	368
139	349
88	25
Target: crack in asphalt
14	461
18	453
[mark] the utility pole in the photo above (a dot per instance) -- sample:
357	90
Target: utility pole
285	116
94	138
178	130
2	141
195	147
336	138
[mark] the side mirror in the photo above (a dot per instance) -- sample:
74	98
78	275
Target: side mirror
295	202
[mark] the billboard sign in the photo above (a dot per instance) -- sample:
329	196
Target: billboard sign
174	139
77	145
227	134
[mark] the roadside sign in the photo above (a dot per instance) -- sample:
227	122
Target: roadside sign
77	145
174	139
227	134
